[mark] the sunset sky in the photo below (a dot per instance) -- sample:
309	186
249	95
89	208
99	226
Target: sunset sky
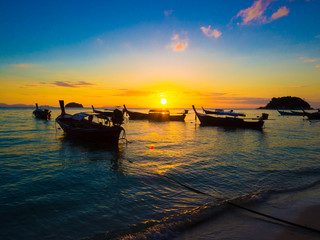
215	53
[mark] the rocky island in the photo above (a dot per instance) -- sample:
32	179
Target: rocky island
287	103
74	105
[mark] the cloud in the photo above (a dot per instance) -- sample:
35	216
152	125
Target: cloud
99	41
167	13
129	92
24	65
180	47
212	33
72	84
28	86
312	60
255	13
318	36
205	94
298	86
242	100
283	11
83	83
178	43
318	66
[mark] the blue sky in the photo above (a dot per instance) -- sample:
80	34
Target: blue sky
227	46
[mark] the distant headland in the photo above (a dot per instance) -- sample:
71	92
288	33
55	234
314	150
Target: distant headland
4	105
287	103
74	105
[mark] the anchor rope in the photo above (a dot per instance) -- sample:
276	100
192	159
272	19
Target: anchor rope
238	206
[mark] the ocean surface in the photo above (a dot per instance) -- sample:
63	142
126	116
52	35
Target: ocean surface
54	187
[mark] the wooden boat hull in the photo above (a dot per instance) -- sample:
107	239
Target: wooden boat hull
177	117
106	114
42	114
159	116
209	112
137	115
228	122
155	115
313	116
284	113
166	116
108	135
231	113
298	113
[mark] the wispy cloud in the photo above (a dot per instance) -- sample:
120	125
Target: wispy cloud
178	43
99	41
312	60
28	86
298	86
282	12
212	33
242	100
130	92
256	13
24	65
204	94
72	84
167	13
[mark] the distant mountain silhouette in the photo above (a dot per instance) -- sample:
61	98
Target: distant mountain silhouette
15	105
287	103
74	105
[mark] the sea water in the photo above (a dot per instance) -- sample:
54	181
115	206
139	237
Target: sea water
164	178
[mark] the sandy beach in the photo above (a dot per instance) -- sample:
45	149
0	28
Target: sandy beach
300	207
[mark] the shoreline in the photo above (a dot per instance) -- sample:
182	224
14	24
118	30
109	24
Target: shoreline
301	207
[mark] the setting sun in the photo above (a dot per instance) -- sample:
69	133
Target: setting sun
163	101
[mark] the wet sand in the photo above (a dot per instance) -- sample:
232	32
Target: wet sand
309	216
301	207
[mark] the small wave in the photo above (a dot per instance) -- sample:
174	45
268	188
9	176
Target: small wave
171	227
166	228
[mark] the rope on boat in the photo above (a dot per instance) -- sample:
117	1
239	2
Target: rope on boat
124	136
238	206
244	208
55	126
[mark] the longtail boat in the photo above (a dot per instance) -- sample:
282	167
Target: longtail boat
291	113
159	115
298	113
229	122
81	125
312	116
107	114
42	113
178	116
222	112
135	115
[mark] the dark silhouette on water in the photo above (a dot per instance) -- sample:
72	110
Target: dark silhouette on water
42	113
222	112
230	122
159	115
291	113
312	116
135	115
78	126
